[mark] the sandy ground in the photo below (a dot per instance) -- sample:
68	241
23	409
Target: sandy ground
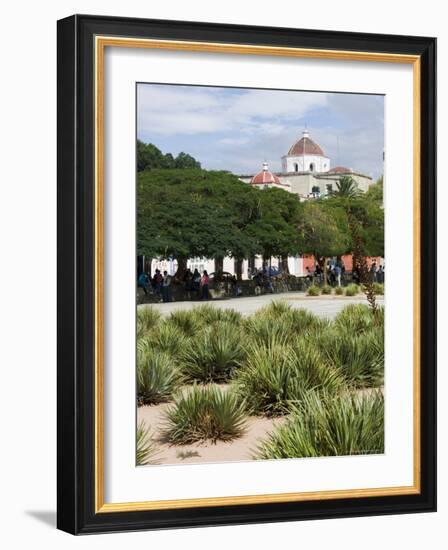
231	451
324	306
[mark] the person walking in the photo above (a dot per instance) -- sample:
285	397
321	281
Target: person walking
166	287
143	281
157	283
338	272
204	285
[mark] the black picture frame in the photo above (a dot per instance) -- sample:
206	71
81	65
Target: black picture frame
76	256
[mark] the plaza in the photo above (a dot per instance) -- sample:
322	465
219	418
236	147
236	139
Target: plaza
323	306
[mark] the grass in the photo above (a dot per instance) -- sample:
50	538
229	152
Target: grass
157	377
313	290
326	289
204	413
146	448
339	291
213	354
322	425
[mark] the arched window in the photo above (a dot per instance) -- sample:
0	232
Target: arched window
296	167
312	167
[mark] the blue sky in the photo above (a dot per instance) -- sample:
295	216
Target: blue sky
238	129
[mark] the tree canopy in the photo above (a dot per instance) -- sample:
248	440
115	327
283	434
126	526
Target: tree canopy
150	157
184	213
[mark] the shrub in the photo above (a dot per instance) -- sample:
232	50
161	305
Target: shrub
339	290
168	338
262	331
185	322
274	310
157	377
322	425
204	412
356	318
213	354
326	289
360	358
207	314
147	319
378	288
276	375
303	321
146	449
352	290
313	290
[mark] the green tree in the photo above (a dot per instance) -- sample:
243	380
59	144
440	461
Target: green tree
375	191
191	212
322	230
346	187
273	228
150	157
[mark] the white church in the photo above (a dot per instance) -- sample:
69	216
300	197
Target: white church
307	172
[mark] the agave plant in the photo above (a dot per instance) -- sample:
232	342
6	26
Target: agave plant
205	315
274	310
146	448
168	338
302	322
147	319
324	425
204	412
359	357
213	354
352	290
356	318
313	290
312	370
157	377
185	322
261	331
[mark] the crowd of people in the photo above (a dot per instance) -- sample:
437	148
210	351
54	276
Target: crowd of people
161	284
336	274
196	284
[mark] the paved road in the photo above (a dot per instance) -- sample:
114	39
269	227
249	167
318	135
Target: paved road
324	306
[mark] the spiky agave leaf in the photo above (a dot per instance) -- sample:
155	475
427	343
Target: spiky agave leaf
324	425
157	377
213	354
204	412
146	448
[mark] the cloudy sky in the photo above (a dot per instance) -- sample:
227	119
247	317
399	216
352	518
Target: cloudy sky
238	129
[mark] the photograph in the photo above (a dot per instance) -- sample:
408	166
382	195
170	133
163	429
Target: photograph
260	274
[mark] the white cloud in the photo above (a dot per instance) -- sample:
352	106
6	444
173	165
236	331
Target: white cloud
169	110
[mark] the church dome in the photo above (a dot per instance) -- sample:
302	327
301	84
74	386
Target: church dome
340	170
305	146
265	177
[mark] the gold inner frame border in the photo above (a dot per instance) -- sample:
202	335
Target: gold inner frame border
101	42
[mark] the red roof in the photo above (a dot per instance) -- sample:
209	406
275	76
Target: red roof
265	177
340	170
305	146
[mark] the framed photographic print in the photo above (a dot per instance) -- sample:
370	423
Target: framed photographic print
230	348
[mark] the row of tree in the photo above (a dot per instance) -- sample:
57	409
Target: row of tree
150	157
197	213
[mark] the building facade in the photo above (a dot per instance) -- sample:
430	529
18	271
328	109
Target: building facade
307	171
